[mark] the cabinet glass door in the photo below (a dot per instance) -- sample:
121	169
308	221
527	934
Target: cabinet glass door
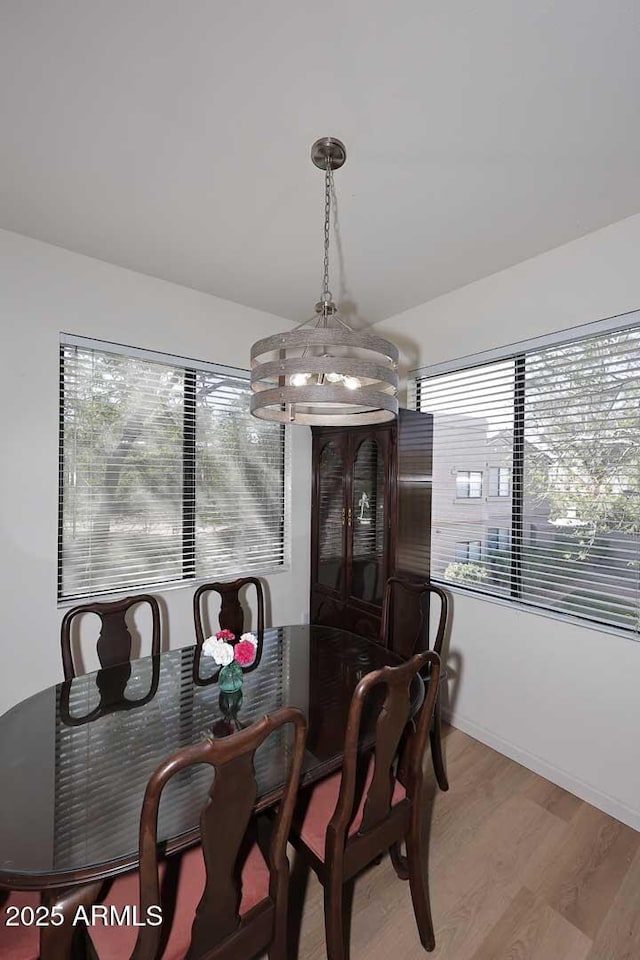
367	519
331	517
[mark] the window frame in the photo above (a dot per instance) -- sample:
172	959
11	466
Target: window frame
498	540
468	558
191	368
469	496
499	470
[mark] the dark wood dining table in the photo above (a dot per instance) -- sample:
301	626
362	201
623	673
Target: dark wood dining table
75	758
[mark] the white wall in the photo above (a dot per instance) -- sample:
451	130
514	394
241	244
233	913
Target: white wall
44	291
560	698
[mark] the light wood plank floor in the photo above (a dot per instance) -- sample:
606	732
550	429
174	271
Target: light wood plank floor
519	870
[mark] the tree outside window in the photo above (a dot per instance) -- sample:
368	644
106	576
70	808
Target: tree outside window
164	474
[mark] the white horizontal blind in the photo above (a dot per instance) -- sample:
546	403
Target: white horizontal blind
164	474
240	480
555	434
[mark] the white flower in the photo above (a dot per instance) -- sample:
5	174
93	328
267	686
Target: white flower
250	638
220	650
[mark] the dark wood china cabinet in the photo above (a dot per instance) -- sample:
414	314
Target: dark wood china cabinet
371	518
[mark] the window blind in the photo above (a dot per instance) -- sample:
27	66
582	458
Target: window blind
164	474
548	439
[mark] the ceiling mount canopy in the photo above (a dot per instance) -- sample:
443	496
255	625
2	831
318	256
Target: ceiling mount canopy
323	372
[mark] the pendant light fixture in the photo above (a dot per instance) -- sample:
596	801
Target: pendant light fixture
323	372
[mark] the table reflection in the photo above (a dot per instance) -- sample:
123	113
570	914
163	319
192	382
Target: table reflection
111	686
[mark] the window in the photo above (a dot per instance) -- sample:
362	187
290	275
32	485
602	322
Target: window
468	551
468	484
499	482
164	474
558	424
497	541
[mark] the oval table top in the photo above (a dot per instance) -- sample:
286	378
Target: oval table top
75	758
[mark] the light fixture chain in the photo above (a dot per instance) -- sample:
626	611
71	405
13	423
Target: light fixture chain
327	225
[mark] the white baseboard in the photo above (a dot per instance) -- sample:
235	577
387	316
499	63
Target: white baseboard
615	808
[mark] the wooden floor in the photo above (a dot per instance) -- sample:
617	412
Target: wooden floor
519	870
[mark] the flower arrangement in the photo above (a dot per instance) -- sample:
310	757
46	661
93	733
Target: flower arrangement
224	651
230	656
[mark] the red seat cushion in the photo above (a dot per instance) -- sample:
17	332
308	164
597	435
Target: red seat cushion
117	943
21	942
313	826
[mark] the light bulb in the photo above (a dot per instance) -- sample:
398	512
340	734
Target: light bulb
299	379
334	377
351	383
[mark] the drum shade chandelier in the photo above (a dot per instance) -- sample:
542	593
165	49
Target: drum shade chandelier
323	372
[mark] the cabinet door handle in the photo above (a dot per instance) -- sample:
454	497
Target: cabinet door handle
343	513
349	517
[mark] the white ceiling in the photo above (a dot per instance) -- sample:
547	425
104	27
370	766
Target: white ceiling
173	137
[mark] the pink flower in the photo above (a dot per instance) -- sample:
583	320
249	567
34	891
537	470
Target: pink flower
244	652
225	635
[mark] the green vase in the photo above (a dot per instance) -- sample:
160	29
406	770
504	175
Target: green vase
230	704
230	677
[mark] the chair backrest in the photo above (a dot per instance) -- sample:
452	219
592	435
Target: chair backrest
223	825
231	616
391	723
414	600
114	642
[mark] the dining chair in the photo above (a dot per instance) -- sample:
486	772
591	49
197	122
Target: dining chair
406	644
354	816
230	902
114	642
22	941
231	616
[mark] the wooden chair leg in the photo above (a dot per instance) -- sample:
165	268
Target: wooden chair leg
298	884
333	919
278	946
399	862
420	890
66	940
435	736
